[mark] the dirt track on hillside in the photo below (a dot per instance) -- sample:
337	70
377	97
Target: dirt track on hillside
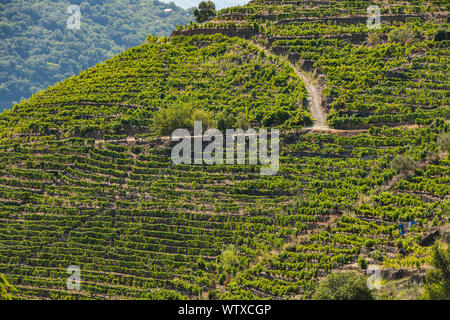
314	95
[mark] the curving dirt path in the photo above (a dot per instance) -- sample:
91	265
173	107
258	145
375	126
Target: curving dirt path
314	101
314	96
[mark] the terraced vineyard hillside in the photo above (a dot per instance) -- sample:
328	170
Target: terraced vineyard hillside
86	179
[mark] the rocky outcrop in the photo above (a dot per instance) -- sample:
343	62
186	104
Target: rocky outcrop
428	239
396	274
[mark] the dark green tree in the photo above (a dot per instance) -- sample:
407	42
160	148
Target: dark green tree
242	121
443	141
206	11
6	290
442	35
343	286
181	116
403	164
437	282
225	121
362	263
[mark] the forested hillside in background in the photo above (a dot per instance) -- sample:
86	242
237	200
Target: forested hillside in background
37	49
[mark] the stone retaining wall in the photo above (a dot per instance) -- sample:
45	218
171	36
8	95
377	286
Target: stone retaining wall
231	32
